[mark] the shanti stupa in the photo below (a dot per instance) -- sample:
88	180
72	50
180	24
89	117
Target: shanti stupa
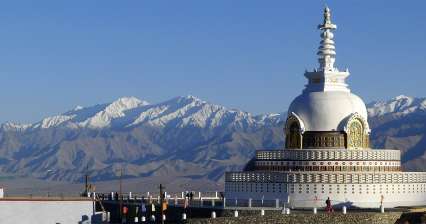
327	151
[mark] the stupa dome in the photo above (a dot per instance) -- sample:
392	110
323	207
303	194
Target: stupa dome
327	111
327	154
327	114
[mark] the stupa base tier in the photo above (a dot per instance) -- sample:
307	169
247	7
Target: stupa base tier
362	196
311	189
326	177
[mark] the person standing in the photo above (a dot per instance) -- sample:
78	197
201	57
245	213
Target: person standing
191	196
125	212
143	209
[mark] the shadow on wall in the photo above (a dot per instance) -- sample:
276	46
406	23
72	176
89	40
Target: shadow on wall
251	165
84	220
348	204
95	219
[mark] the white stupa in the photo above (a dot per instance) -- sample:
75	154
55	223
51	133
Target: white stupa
327	152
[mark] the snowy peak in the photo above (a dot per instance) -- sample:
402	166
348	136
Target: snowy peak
98	116
188	99
10	126
182	101
399	106
402	98
53	121
125	103
78	107
114	110
190	111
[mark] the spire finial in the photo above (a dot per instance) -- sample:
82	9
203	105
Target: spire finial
326	77
327	20
326	52
327	15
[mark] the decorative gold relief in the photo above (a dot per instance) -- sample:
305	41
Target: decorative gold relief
355	134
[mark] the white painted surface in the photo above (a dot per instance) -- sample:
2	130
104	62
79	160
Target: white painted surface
363	196
31	212
326	101
326	104
327	111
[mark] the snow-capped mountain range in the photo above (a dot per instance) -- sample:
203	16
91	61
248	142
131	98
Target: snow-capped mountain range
128	112
181	137
400	105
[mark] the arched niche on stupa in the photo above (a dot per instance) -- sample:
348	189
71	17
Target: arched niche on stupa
293	130
357	132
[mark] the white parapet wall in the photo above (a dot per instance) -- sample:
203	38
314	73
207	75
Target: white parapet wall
44	211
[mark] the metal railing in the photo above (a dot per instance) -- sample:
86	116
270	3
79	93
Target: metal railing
155	196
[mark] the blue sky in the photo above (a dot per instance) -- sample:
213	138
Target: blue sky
244	54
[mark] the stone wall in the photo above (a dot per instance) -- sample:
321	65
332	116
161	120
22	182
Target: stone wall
201	216
306	218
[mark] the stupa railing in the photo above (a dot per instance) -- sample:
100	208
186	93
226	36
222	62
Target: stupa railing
329	154
326	177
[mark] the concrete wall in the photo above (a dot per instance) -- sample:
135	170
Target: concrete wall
43	211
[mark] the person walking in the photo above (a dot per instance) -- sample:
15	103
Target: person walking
328	208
